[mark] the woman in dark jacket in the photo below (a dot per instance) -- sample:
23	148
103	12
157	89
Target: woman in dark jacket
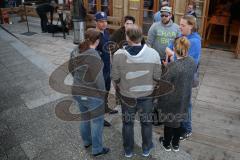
86	69
173	108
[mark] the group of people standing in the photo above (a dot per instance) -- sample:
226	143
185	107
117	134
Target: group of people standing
135	70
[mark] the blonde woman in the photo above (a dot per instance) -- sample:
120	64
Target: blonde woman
174	107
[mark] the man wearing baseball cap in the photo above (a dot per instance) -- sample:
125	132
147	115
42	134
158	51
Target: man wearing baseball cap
161	33
101	25
157	15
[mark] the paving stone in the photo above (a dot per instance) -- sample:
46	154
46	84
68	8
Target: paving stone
11	59
7	53
2	67
2	152
36	98
24	67
10	102
5	75
26	74
226	98
62	152
50	140
15	63
22	117
3	157
16	153
26	123
222	82
3	129
207	152
8	140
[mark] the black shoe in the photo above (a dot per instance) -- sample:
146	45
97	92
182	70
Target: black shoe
87	146
107	124
175	148
166	148
104	151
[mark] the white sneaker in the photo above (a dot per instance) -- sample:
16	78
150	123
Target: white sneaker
128	155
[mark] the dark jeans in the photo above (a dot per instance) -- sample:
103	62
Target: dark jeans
171	135
107	79
44	21
144	108
187	124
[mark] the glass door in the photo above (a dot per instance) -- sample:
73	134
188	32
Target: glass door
94	6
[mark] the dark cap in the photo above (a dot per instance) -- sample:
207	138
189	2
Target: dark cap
100	16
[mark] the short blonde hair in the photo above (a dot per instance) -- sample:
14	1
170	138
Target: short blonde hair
181	46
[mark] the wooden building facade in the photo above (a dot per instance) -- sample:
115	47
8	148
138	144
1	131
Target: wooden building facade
209	21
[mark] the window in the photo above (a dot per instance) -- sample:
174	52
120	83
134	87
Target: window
94	6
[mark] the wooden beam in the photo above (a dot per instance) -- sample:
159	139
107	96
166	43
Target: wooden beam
237	52
98	3
126	6
110	7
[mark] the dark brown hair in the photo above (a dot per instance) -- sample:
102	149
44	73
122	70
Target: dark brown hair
134	33
191	20
181	46
131	18
91	35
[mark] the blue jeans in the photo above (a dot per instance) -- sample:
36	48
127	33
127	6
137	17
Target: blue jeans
91	130
145	109
187	124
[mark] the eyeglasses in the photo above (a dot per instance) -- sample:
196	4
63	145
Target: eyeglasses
162	15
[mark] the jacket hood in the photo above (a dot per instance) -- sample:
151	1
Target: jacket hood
194	35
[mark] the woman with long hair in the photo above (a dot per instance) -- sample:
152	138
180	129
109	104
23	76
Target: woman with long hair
188	28
86	69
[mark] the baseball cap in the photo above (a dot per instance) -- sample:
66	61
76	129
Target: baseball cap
166	9
100	16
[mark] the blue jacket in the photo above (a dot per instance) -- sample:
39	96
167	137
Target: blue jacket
195	47
105	56
102	48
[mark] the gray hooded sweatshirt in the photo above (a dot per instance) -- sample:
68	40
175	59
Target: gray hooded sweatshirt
160	35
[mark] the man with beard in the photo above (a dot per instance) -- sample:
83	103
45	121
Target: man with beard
161	33
157	15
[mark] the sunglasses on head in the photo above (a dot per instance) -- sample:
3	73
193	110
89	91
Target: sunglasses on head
163	15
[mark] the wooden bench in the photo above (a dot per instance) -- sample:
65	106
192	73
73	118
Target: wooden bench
237	53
